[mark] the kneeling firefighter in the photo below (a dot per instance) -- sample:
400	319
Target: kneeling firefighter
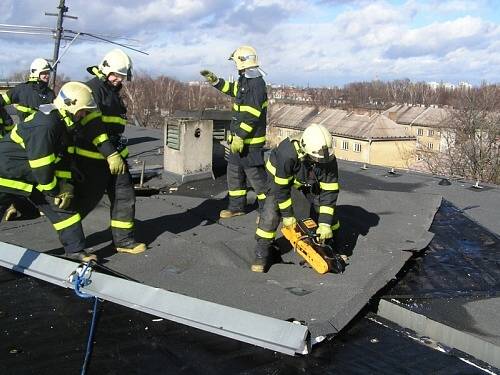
308	164
36	160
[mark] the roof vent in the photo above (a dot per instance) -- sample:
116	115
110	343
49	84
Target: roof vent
444	182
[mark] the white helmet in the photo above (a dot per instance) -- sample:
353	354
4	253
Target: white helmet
38	66
116	61
317	143
73	97
245	57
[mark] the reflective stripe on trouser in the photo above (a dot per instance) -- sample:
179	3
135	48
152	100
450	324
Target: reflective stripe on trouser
67	223
120	189
268	224
237	180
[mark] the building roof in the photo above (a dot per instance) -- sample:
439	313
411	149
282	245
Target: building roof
418	115
194	253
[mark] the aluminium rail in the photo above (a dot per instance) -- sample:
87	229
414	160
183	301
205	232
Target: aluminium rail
270	333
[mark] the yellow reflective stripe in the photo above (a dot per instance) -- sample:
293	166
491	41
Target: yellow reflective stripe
336	225
41	162
282	181
271	168
264	105
22	108
68	222
253	141
236	107
332	186
89	117
71	149
48	186
285	204
246	127
18	185
114	120
1	120
100	138
6	99
297	183
262	233
9	127
88	154
63	174
124	152
122	224
235	89
261	196
326	210
16	137
30	117
66	118
225	88
237	193
251	110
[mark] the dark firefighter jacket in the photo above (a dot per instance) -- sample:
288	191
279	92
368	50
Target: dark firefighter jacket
27	97
100	133
289	167
6	124
35	154
249	109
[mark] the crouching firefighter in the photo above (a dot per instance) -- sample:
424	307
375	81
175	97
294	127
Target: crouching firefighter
247	130
35	162
101	152
308	164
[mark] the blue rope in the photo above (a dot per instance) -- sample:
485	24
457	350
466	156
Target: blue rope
79	281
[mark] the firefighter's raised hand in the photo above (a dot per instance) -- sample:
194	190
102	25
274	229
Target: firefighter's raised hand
237	145
210	77
66	194
324	232
289	222
116	163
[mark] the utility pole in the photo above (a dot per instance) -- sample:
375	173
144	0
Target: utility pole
59	33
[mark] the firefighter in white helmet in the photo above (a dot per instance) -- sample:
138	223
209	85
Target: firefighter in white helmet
247	130
307	163
101	152
26	97
36	161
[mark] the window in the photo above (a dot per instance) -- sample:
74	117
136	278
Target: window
430	132
420	131
345	145
357	147
430	146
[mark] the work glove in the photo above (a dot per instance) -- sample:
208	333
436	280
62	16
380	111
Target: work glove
289	222
237	145
324	232
66	194
210	77
116	163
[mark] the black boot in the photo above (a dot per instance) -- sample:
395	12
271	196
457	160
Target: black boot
81	256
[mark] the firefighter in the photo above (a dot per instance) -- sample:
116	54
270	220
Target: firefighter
28	96
36	160
307	163
101	151
247	130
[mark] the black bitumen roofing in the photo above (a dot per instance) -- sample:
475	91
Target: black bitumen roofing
385	219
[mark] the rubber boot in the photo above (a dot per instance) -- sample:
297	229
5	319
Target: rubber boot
260	265
81	256
226	214
11	213
131	247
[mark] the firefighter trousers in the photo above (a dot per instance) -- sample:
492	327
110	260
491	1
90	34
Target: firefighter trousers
238	177
97	180
66	222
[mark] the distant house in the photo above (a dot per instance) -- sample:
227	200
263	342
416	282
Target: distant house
367	139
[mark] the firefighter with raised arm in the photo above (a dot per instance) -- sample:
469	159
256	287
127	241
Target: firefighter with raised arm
26	98
36	160
247	130
101	151
307	163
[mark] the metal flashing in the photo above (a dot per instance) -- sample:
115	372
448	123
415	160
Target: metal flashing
270	333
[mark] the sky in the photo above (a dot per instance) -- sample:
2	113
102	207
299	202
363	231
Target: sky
317	43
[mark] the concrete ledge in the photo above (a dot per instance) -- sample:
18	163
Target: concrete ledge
183	178
464	341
